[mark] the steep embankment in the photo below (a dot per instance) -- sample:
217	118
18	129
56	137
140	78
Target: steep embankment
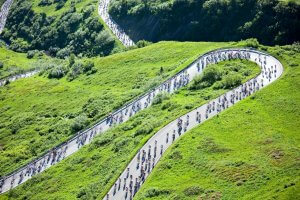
271	22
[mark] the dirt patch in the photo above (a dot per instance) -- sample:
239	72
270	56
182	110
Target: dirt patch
210	195
276	154
208	145
238	173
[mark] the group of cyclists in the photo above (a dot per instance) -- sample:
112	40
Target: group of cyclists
116	29
4	13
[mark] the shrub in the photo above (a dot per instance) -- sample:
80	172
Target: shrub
209	77
232	80
252	42
1	65
58	72
88	66
79	123
143	43
30	54
193	190
158	99
145	128
154	192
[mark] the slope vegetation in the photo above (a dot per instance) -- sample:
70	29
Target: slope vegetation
91	171
51	110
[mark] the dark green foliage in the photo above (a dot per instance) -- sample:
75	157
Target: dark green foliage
74	32
143	43
30	54
271	21
160	98
154	192
193	190
57	71
1	65
79	123
226	77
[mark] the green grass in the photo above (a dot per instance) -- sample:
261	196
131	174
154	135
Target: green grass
92	170
37	113
14	63
51	10
250	151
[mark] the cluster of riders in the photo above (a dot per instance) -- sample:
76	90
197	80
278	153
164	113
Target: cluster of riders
12	78
116	29
36	167
147	160
4	13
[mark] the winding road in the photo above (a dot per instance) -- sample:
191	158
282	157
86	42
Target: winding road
148	156
4	13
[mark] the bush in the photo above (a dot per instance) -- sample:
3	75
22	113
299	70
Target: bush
143	43
79	123
210	75
193	190
230	81
252	42
158	99
154	192
58	72
30	54
1	65
145	128
88	66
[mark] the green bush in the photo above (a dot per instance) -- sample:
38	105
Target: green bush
210	75
229	81
79	123
154	192
158	99
193	190
30	54
1	65
252	42
143	43
144	129
57	71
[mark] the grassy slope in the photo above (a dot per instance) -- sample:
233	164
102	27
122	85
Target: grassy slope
36	112
251	151
91	171
51	11
16	62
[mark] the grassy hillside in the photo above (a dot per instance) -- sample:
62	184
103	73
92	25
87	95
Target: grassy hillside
38	113
250	151
271	22
91	171
14	63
